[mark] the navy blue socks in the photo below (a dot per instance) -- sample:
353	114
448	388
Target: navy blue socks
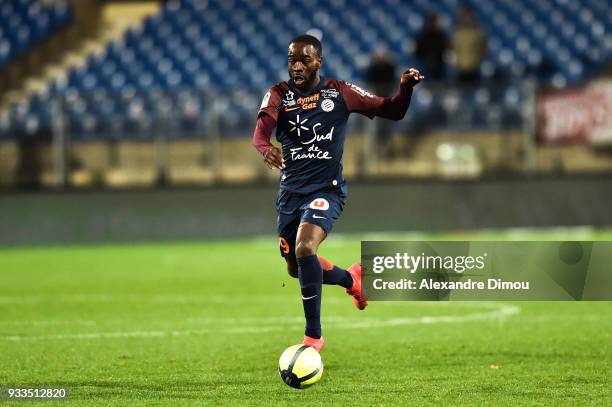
338	276
310	275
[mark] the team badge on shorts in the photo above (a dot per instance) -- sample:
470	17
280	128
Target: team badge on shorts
319	204
327	105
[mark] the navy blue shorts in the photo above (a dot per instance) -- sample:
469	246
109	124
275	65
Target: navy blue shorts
320	208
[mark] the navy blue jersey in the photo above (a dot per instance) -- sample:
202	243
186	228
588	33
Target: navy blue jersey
311	128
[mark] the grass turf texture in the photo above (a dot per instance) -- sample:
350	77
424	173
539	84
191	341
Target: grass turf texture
205	323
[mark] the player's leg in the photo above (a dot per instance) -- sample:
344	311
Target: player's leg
287	237
287	233
323	210
334	275
289	220
349	279
310	274
292	267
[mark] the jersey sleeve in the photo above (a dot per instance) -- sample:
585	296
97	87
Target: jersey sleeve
266	120
361	101
271	104
263	133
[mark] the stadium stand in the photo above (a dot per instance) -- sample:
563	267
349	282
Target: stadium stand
171	65
24	23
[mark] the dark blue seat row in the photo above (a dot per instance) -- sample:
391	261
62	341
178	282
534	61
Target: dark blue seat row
197	47
24	23
226	45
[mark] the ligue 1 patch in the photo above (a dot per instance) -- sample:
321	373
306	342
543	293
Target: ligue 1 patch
327	105
320	204
264	102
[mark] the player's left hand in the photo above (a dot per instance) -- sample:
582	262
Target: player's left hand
411	77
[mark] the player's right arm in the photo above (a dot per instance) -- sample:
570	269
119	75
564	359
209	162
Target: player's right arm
266	121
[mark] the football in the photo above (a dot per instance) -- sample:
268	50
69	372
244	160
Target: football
300	366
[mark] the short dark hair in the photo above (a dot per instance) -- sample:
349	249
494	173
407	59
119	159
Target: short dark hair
309	40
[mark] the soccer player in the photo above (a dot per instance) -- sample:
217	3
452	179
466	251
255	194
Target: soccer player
310	114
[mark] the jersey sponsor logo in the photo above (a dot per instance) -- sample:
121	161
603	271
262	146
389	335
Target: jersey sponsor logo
319	204
329	136
305	103
307	106
298	125
264	102
360	91
313	152
315	216
308	99
327	105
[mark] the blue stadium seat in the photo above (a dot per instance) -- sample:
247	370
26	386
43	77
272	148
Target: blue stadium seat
197	46
24	23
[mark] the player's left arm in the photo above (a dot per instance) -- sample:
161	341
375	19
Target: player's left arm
394	107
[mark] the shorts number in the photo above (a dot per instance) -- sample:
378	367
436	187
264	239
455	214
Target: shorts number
319	203
284	245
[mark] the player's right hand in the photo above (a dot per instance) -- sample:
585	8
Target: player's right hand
274	159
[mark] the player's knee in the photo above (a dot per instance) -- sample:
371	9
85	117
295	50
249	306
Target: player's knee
292	269
305	248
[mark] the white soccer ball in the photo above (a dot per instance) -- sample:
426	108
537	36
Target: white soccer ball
300	366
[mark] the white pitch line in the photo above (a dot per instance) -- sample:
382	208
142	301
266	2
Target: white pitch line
503	312
498	312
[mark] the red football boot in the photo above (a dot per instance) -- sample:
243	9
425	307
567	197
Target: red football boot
314	343
359	298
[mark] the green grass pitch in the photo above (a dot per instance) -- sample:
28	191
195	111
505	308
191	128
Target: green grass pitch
204	323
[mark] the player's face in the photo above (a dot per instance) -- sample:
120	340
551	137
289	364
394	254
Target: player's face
304	63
